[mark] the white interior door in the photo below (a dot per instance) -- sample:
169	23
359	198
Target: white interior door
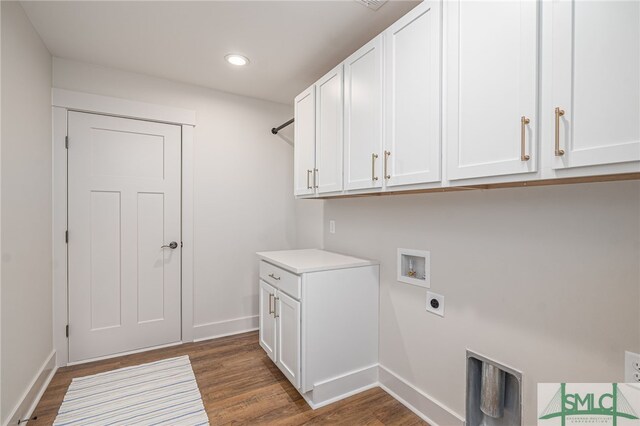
288	323
363	114
596	83
124	205
268	320
491	90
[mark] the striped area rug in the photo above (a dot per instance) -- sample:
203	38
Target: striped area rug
159	393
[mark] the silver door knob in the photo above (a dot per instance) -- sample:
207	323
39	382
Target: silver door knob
172	245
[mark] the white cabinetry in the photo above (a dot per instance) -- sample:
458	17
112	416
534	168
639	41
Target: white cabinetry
268	319
280	330
319	321
412	97
491	67
595	83
329	103
305	141
287	313
479	93
318	147
363	117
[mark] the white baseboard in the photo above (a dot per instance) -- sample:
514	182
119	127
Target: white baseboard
214	330
423	405
344	386
32	395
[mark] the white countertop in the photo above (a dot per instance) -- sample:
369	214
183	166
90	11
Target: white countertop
312	260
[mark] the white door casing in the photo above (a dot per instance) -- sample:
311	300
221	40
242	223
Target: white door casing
363	116
491	64
596	63
412	97
123	205
267	320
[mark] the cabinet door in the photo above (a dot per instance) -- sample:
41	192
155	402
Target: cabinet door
412	101
267	319
329	132
596	64
363	116
288	323
491	90
305	141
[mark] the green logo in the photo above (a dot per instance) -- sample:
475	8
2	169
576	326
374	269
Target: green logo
569	404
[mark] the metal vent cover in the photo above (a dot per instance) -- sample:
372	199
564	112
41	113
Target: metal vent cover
372	4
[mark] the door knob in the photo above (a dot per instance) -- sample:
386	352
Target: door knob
172	245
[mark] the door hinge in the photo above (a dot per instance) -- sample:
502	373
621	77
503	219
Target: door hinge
66	142
66	237
66	330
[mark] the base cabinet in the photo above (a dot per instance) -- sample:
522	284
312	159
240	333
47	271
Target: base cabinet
321	328
280	330
287	313
267	319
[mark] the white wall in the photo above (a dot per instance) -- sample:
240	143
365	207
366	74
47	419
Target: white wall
243	186
26	207
309	220
543	279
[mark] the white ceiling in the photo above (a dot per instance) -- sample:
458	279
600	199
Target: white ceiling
290	43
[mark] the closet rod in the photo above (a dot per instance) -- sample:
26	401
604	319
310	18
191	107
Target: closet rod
275	130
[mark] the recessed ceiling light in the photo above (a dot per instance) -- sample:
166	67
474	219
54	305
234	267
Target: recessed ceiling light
235	59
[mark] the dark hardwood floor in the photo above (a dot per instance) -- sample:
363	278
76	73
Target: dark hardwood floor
240	385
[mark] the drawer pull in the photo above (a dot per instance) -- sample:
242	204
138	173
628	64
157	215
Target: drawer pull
523	136
559	113
386	160
271	310
373	166
274	277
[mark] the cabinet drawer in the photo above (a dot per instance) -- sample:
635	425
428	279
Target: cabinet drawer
283	280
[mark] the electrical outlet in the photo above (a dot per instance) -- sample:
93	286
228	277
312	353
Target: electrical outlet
332	226
435	303
631	367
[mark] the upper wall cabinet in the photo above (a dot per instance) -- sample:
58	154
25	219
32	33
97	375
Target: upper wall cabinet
491	90
329	132
412	97
305	142
363	117
595	82
478	92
